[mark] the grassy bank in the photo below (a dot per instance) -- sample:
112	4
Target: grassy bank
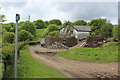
29	67
107	53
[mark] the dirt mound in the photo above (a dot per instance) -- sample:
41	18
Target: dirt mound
58	45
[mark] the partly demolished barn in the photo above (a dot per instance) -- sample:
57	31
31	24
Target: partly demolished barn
79	32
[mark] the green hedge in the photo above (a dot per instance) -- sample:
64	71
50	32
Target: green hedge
8	52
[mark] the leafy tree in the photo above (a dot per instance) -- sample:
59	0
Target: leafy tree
67	23
40	24
96	25
2	17
20	23
28	26
47	23
55	21
3	30
107	29
8	37
13	25
115	32
24	35
80	22
52	27
54	33
7	27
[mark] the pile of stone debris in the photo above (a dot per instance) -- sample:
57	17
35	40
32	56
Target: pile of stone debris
58	45
94	44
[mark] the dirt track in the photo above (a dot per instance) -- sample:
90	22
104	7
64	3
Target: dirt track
74	68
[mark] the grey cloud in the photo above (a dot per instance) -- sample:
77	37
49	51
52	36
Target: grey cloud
90	10
64	10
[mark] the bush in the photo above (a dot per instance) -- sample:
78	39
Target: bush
8	37
52	27
54	33
28	26
115	33
39	24
80	22
55	21
24	35
7	27
8	52
107	29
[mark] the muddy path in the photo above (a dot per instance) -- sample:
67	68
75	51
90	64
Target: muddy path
74	68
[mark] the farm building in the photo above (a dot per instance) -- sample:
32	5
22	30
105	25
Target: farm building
79	32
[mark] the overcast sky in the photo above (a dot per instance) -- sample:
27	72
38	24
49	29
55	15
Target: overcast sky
64	11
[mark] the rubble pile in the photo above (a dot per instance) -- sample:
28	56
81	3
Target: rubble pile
58	45
94	44
106	76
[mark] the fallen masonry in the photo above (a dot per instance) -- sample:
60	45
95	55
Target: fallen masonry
58	45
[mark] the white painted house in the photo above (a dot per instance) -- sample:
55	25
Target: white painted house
80	32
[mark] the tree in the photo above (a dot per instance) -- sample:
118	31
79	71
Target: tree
2	17
40	24
54	33
28	26
3	30
7	27
96	25
80	22
52	27
8	37
24	35
67	23
47	23
107	29
115	32
55	21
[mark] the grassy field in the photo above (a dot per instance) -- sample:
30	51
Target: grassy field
107	53
39	32
29	67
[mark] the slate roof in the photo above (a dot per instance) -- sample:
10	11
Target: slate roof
82	28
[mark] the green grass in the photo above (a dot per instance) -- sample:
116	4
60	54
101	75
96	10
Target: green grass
39	32
29	67
106	53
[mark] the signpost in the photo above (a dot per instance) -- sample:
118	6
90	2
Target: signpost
16	46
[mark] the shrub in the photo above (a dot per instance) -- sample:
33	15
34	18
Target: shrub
8	37
40	24
28	26
115	33
52	27
24	35
55	21
80	22
54	33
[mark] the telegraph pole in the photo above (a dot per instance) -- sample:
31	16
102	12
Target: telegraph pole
16	46
29	18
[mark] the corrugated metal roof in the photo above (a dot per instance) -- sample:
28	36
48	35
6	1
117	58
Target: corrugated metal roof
82	28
